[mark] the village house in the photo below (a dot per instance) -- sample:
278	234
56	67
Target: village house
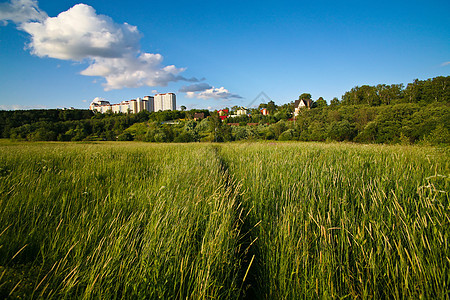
223	112
300	104
241	112
264	112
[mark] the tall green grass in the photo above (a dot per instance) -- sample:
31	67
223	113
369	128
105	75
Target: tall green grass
198	221
346	221
116	221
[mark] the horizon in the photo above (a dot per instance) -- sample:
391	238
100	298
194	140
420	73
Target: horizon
66	54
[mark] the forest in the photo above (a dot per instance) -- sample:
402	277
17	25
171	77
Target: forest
417	113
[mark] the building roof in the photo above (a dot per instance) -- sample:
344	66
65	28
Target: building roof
306	102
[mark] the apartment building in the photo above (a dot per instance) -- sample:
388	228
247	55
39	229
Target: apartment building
158	102
166	101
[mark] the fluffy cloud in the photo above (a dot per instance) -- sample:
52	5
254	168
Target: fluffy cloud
19	11
131	71
445	64
80	34
199	87
213	93
112	50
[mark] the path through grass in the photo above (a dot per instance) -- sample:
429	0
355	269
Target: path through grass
197	221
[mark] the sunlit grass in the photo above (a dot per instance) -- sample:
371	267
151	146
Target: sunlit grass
295	220
116	221
346	220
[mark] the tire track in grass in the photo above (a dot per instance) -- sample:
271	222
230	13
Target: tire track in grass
247	251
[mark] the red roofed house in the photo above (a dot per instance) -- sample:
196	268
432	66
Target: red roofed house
223	112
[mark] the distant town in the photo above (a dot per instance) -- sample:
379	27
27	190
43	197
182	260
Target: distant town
168	101
159	102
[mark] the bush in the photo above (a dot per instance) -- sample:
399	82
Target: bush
287	135
440	135
126	136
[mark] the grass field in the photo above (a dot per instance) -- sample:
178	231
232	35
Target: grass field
223	221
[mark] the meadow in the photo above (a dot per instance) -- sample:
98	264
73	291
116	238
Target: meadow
223	221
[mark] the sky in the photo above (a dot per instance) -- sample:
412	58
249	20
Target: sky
214	54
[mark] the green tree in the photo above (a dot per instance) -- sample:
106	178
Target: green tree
440	135
287	135
335	102
305	96
126	136
320	103
271	107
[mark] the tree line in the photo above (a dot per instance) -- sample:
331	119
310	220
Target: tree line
419	113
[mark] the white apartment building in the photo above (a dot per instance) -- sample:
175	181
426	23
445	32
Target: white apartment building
149	103
166	101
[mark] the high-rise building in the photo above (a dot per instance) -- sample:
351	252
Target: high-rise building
159	102
150	104
166	101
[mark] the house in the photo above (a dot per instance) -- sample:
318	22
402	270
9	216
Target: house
223	112
300	104
264	112
241	112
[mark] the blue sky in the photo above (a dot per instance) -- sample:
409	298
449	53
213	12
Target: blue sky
65	53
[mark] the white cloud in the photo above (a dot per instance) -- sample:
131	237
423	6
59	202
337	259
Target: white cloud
19	11
445	64
213	93
80	33
134	71
112	50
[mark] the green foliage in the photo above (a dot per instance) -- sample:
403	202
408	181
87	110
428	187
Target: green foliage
271	107
320	103
368	114
334	102
126	136
424	92
341	131
305	96
440	135
287	135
